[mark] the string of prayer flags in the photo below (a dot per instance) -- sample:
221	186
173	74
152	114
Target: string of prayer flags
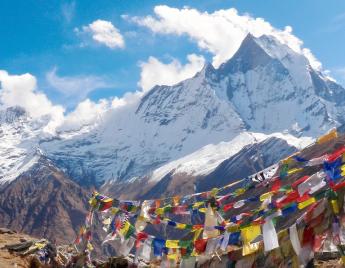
224	228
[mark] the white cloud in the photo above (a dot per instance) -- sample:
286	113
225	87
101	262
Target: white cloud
90	114
87	112
75	86
220	32
154	72
103	32
22	90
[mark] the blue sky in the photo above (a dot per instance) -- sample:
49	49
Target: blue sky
55	37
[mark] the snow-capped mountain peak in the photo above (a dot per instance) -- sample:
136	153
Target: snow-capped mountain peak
266	87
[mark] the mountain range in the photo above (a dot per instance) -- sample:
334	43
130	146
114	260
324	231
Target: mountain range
261	105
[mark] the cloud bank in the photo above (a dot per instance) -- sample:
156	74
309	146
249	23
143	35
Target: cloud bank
154	72
220	32
22	90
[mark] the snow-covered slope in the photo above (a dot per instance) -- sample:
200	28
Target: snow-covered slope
18	143
209	157
273	89
265	87
168	123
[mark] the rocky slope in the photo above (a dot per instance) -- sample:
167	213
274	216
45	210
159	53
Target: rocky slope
44	202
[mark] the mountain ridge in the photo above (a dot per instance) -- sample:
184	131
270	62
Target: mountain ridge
265	87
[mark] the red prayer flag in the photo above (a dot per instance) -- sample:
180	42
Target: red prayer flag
308	236
318	242
200	245
336	154
140	236
276	185
338	186
228	206
292	196
299	181
303	198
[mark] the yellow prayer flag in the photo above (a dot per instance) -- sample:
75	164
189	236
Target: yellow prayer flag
343	167
40	245
82	230
194	253
202	210
294	170
89	246
265	196
197	233
114	210
239	191
250	248
287	161
232	228
335	206
329	136
249	234
198	204
181	226
125	228
92	201
214	192
107	200
172	257
306	203
159	211
172	243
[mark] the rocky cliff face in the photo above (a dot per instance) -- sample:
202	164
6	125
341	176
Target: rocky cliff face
44	202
